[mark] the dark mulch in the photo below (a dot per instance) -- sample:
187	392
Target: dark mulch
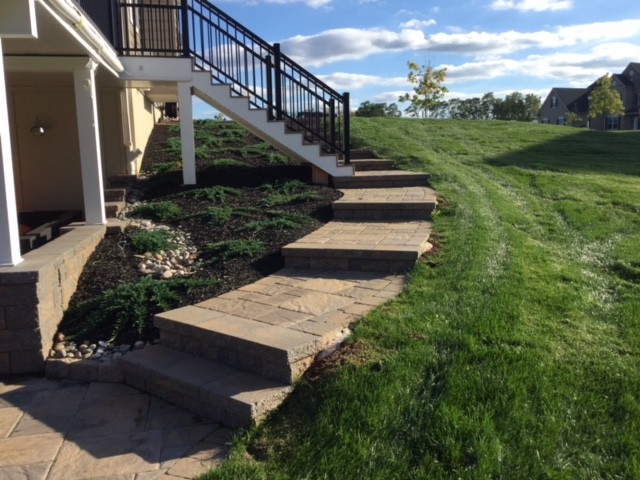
113	263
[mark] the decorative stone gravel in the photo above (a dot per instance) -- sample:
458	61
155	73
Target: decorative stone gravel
102	351
181	261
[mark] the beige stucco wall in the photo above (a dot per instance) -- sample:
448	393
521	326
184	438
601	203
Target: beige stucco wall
46	168
143	118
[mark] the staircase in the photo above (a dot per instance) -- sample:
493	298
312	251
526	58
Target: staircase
234	358
241	75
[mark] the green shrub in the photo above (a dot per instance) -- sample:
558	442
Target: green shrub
128	308
228	249
215	193
255	150
289	198
173	146
275	158
163	167
158	211
282	221
151	241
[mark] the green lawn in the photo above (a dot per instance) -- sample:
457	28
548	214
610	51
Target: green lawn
515	350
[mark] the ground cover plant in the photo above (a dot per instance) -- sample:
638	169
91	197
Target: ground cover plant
230	216
514	351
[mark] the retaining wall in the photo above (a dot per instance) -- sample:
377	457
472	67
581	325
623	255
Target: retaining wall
35	293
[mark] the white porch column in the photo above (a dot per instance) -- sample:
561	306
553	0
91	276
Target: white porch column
9	233
186	134
89	136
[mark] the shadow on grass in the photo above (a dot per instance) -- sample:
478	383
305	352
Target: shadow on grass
586	151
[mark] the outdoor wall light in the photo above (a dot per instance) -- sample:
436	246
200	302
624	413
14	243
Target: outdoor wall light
38	129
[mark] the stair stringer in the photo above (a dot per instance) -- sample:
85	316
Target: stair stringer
256	121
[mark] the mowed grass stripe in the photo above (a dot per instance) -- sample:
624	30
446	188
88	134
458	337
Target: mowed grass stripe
514	351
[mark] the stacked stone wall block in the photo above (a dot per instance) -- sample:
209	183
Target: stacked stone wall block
34	295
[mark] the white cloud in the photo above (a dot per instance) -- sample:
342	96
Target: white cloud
532	5
355	81
418	24
355	44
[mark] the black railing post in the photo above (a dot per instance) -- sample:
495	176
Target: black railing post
269	67
332	121
278	79
347	128
185	28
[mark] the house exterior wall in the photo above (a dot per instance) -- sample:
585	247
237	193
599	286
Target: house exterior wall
112	145
143	117
550	112
47	167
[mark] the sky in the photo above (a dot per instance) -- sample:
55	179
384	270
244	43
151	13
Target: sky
500	46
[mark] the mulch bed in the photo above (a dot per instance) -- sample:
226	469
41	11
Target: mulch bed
114	262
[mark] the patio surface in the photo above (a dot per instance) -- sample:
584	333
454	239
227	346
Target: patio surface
66	430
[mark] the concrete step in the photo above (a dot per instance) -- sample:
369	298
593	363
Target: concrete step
362	246
115	194
113	209
406	203
369	164
382	179
121	181
218	330
362	153
209	389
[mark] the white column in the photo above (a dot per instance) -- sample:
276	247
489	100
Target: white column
186	134
89	136
9	233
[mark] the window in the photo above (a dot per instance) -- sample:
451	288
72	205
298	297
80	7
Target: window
554	102
612	122
638	99
545	120
560	121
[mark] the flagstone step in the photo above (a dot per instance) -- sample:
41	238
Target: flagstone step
406	203
115	194
369	164
276	326
209	389
361	246
382	179
113	209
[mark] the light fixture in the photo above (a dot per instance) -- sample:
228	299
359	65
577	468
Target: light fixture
38	129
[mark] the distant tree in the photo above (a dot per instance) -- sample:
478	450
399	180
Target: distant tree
474	108
604	99
370	109
516	106
427	91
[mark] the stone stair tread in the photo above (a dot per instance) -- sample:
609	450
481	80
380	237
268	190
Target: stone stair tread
387	196
235	332
210	389
381	179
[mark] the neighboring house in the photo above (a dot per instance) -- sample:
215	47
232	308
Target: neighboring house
561	101
82	84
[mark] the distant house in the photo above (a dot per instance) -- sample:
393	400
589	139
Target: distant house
562	101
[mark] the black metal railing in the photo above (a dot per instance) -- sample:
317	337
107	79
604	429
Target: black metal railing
237	57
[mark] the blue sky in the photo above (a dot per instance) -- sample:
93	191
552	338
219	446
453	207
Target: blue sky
500	46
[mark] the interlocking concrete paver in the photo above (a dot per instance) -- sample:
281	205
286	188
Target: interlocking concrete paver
152	435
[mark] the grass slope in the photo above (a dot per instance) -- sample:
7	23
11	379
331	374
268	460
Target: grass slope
514	351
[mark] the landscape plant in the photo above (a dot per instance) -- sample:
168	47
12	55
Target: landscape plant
158	211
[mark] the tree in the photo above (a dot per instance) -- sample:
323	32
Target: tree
428	90
574	120
516	106
604	99
370	109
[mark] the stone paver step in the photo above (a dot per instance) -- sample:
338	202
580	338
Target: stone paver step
210	389
115	194
113	209
382	179
365	246
406	203
276	326
369	164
